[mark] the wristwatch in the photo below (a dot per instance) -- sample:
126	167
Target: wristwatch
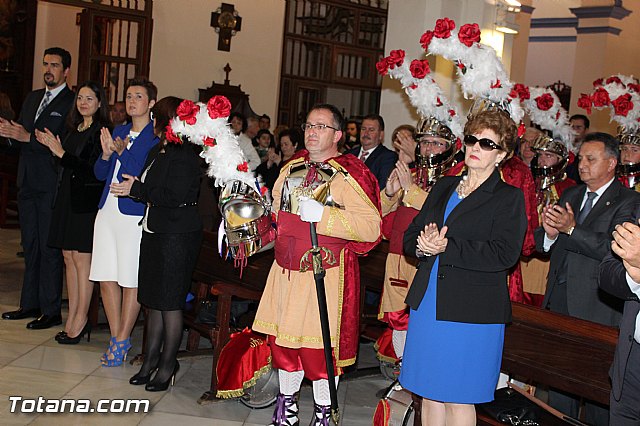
570	231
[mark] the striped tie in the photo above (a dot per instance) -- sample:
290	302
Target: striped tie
44	104
364	155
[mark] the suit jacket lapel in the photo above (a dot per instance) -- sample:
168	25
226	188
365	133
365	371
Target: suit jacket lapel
372	155
606	200
477	197
54	102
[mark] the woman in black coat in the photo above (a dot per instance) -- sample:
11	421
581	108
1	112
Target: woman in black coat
76	202
467	235
172	232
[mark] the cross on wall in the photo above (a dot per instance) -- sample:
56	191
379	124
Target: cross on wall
227	23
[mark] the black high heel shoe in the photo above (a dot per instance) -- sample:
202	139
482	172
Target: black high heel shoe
163	386
138	379
68	340
60	334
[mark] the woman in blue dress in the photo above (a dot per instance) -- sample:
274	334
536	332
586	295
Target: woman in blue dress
467	235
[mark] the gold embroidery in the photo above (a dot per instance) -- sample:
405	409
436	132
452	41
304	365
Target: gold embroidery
273	330
236	393
352	233
336	349
354	184
331	221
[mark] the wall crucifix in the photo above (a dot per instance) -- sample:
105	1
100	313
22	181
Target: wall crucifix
227	23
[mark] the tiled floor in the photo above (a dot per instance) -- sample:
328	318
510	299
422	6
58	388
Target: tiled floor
32	364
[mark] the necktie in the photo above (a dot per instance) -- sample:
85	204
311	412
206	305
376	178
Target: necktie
588	205
45	102
364	155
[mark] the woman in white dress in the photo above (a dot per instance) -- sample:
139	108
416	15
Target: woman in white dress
117	233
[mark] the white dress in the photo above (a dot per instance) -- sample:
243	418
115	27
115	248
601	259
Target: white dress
116	241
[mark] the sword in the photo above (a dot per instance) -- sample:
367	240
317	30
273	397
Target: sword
318	276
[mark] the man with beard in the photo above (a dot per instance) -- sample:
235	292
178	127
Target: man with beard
37	178
377	157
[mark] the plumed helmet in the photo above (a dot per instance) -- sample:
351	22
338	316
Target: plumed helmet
545	176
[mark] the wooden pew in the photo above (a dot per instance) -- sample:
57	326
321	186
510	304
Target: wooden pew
570	354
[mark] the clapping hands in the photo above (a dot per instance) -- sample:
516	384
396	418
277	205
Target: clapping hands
626	244
51	141
109	145
431	241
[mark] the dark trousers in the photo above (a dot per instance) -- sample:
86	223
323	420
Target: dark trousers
42	283
626	412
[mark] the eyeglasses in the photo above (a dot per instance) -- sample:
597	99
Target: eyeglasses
433	144
319	127
486	144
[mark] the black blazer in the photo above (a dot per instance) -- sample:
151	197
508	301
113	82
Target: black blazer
171	189
582	252
37	168
485	236
613	280
85	189
381	162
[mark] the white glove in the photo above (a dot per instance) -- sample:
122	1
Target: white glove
310	210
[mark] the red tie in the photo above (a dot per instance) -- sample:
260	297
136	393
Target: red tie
364	155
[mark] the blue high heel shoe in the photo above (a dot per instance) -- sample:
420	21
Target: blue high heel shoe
119	351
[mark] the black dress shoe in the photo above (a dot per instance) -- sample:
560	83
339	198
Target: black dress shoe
45	321
21	314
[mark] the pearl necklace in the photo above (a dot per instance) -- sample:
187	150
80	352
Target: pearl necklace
82	127
463	189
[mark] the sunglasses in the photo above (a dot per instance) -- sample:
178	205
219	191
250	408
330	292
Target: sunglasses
486	144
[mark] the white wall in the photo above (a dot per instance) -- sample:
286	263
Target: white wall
56	27
185	55
184	48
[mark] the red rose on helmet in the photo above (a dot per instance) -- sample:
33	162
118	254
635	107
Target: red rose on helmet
425	40
520	91
469	34
244	167
209	142
598	82
395	58
443	28
170	136
634	87
419	68
382	66
218	107
600	97
187	111
585	102
614	79
544	102
622	104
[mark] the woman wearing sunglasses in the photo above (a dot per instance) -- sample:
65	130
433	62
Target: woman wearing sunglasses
467	235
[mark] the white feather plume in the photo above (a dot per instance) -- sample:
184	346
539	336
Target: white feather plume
424	94
555	119
480	71
225	156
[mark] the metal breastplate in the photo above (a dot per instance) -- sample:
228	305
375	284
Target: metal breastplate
312	180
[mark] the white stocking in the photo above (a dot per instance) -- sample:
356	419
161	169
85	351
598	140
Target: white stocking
398	338
321	395
290	381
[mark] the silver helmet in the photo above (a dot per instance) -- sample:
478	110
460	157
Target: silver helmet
547	176
248	225
431	167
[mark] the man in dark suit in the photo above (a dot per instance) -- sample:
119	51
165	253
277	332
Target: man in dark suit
377	157
576	232
620	276
37	178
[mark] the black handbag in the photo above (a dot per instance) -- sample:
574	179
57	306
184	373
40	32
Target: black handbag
511	408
